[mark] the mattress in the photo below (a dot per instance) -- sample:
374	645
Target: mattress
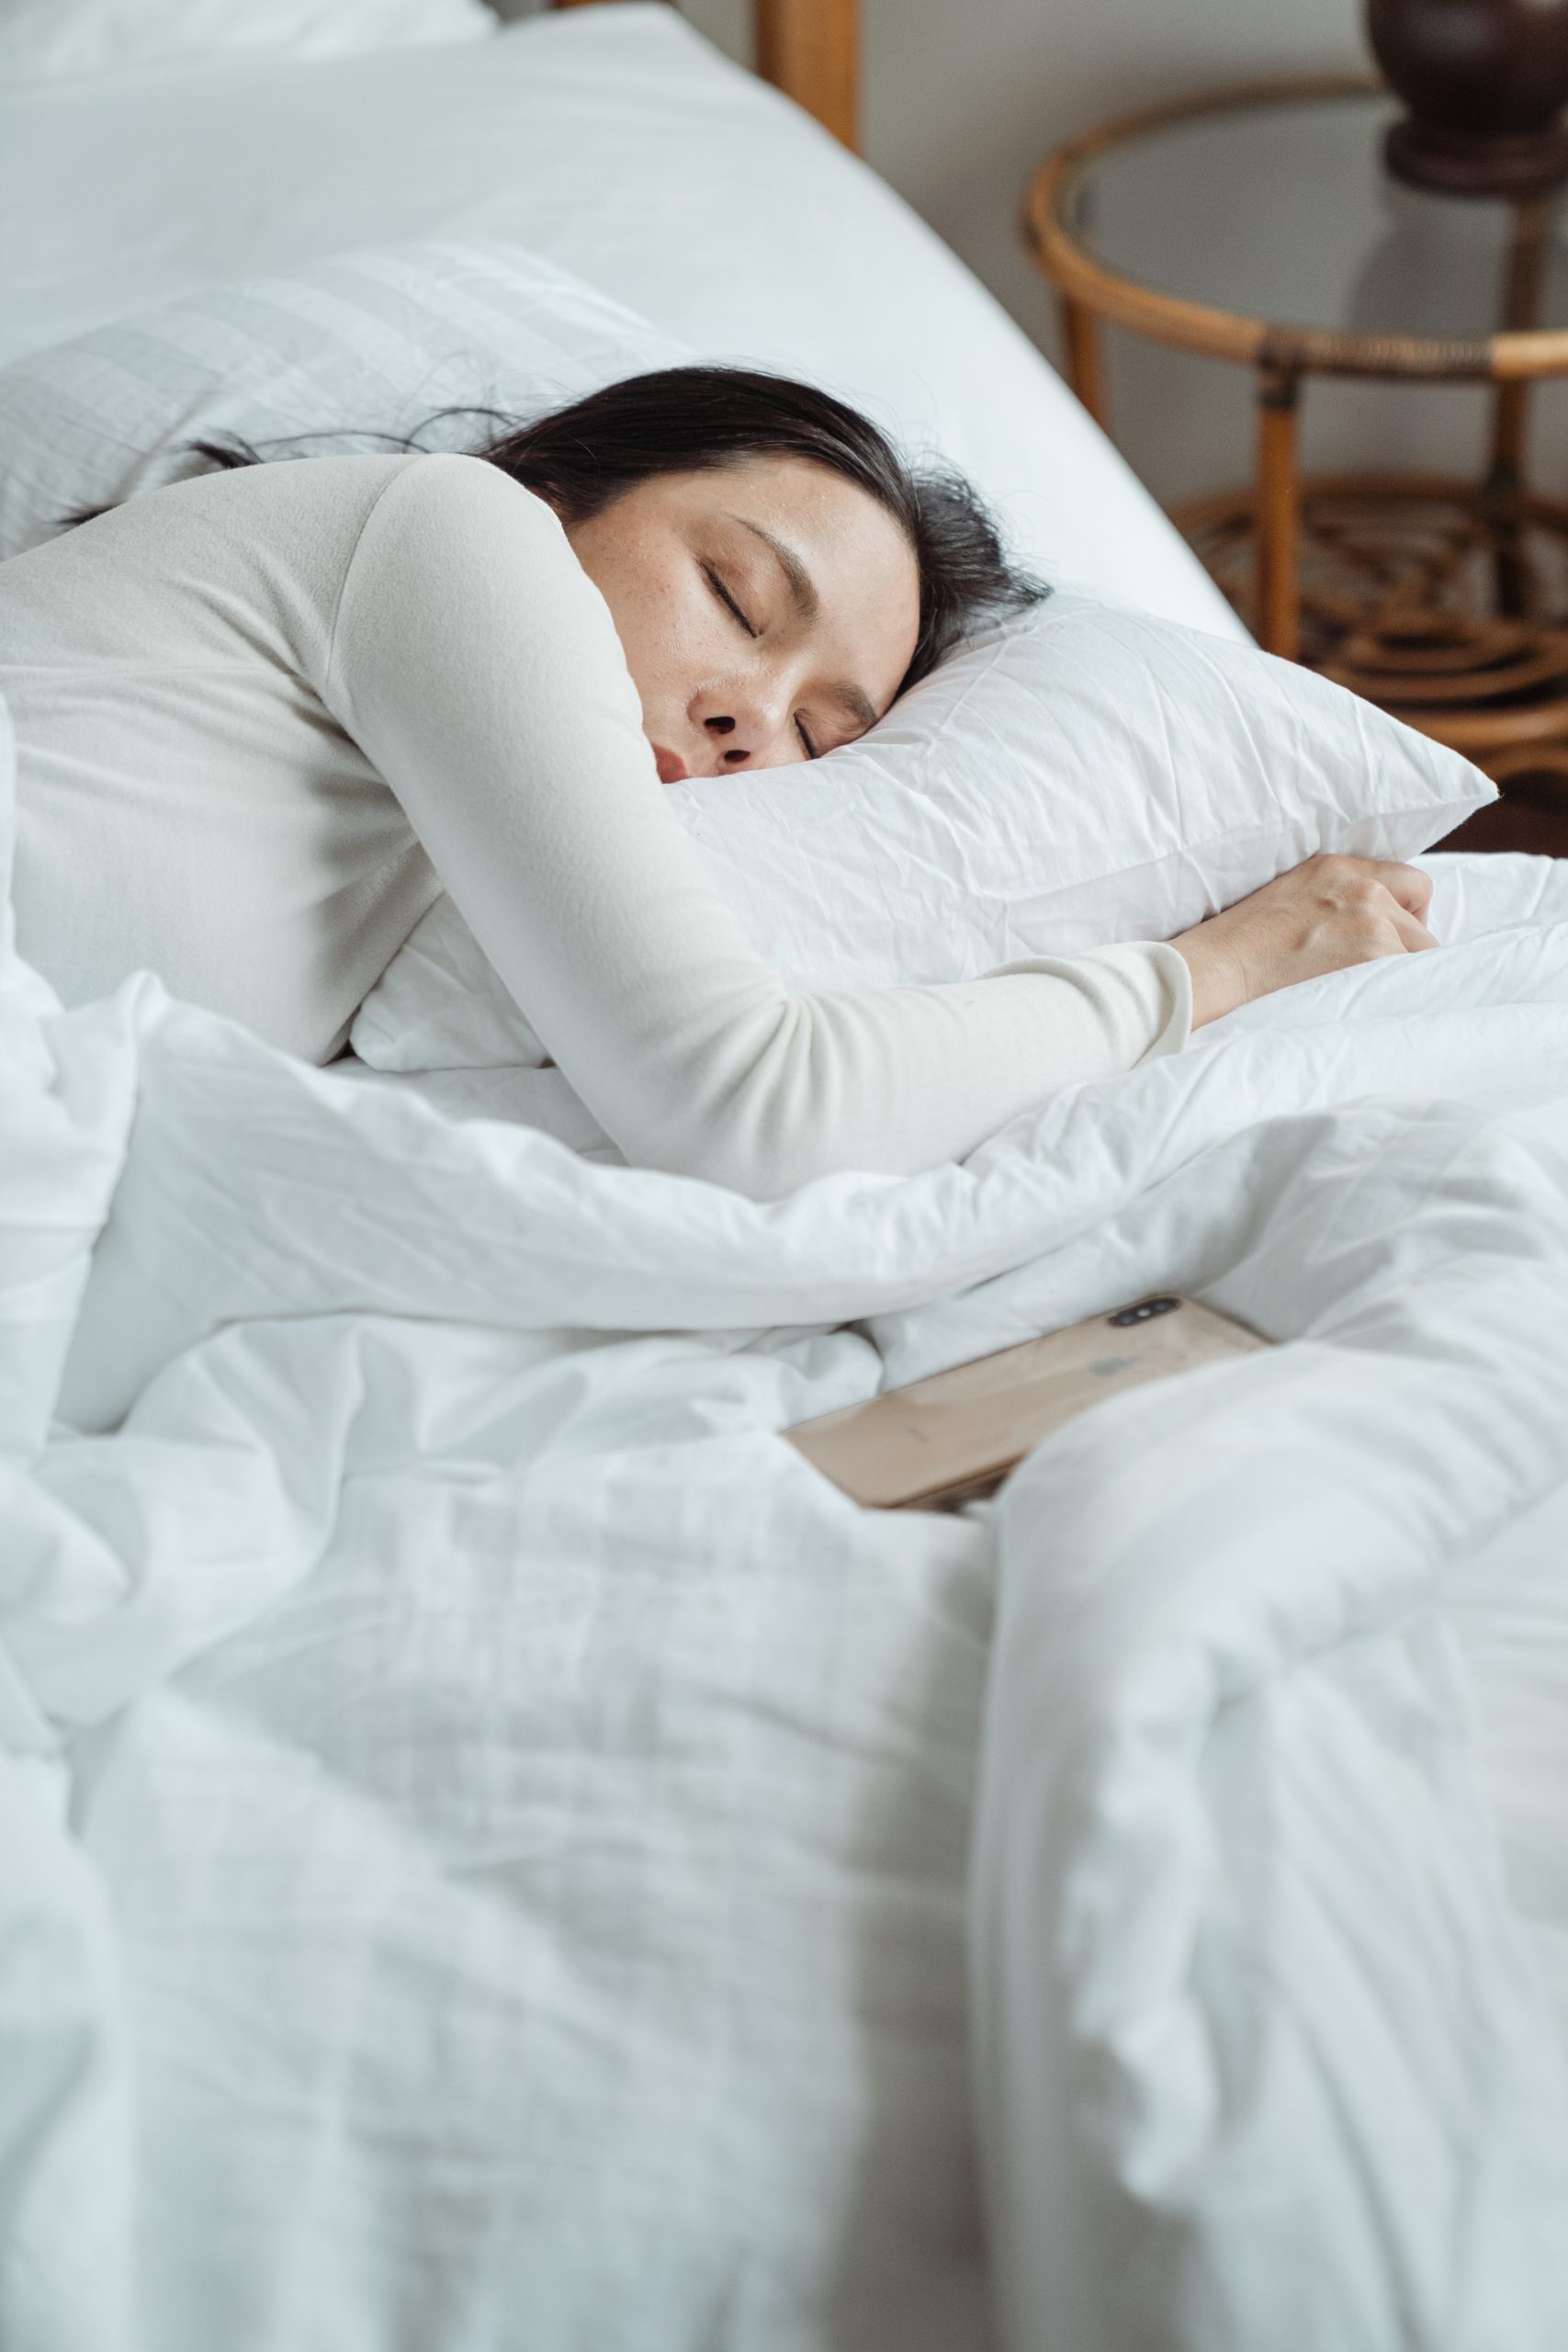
617	142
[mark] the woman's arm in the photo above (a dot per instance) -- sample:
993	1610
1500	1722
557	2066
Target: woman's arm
476	666
1321	917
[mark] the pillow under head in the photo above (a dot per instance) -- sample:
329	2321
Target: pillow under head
369	344
1085	776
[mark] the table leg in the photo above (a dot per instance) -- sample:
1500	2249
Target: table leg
1086	366
1279	505
1499	500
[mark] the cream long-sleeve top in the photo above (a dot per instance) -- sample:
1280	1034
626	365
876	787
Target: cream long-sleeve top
262	717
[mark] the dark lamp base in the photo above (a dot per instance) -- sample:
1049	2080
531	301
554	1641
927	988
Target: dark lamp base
1522	163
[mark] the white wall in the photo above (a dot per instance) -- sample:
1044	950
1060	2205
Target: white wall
964	98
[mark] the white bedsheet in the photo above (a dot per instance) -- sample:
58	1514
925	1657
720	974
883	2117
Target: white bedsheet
510	1886
619	143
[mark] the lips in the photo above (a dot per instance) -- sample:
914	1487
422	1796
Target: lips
673	768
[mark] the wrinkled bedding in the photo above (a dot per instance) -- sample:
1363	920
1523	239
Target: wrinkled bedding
498	1854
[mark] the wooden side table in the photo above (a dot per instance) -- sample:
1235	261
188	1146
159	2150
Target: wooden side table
1260	225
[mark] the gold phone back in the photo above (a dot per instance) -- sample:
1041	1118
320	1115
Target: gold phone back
954	1437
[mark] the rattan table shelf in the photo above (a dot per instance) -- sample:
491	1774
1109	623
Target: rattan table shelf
1260	225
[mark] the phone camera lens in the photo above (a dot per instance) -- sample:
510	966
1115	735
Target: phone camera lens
1145	1312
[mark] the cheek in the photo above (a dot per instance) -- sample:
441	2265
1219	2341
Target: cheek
668	623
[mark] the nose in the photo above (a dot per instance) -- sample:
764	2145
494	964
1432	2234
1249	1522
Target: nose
733	755
744	724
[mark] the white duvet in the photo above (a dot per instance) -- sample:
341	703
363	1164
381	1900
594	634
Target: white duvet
489	1839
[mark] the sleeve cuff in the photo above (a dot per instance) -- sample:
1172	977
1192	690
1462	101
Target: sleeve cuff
1174	977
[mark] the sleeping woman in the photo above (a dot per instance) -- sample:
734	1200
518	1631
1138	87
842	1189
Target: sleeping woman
264	717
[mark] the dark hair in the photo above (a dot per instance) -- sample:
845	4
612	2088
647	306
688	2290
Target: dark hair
680	420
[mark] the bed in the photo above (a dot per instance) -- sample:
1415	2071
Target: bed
497	1852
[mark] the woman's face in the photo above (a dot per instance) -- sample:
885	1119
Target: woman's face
768	610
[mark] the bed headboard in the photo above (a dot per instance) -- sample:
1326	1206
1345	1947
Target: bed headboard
807	48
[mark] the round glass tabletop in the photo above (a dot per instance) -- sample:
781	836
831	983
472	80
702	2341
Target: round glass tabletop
1280	209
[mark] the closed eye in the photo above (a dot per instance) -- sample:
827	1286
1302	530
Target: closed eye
730	606
725	598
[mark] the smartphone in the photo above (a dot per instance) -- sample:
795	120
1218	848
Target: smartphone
952	1439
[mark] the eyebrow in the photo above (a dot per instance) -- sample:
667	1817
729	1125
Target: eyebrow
803	593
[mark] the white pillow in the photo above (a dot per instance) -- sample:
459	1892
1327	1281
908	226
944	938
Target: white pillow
47	40
372	342
1085	776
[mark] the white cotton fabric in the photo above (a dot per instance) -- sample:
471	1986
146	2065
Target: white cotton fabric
343	351
605	138
1083	775
488	1827
53	40
257	717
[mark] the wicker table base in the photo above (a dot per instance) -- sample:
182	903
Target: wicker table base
1444	607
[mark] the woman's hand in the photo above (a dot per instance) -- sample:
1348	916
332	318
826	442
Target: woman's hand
1324	916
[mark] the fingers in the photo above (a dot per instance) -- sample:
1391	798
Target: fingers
1407	884
1413	932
